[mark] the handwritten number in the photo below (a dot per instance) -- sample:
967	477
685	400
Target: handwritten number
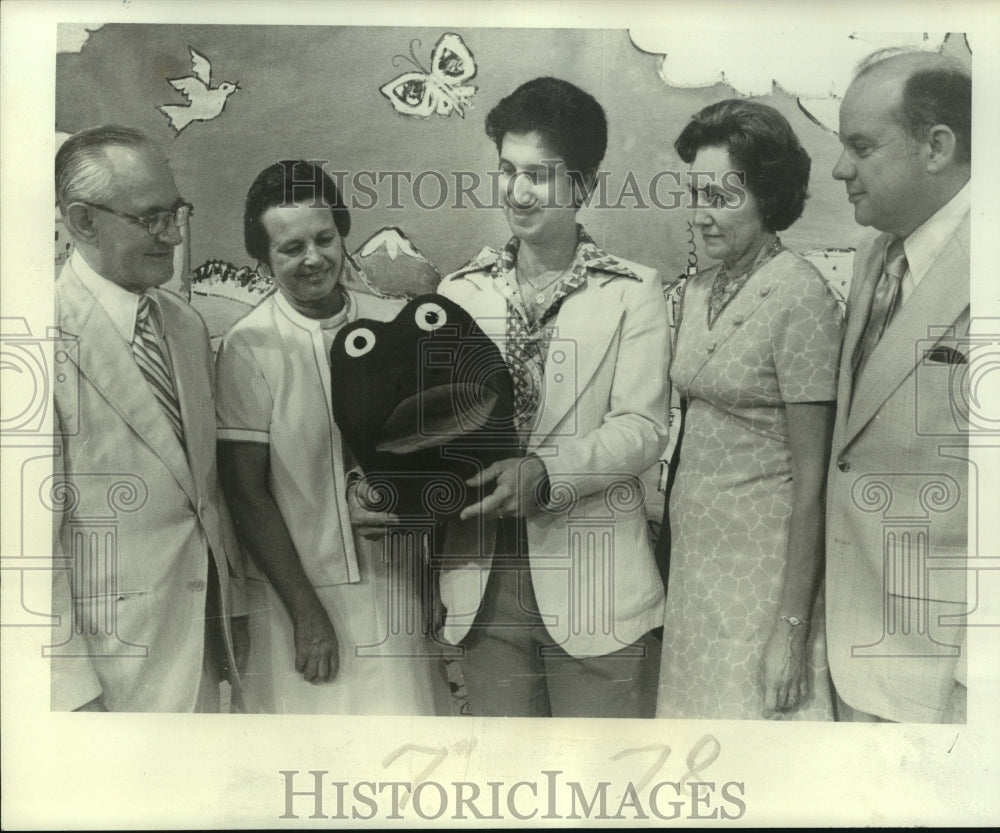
695	766
438	754
661	759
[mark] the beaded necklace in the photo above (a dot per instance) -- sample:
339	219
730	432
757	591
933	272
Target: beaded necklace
726	285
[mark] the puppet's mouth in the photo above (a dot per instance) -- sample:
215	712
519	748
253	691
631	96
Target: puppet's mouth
436	416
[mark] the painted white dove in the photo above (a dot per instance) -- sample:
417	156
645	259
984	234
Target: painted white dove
205	102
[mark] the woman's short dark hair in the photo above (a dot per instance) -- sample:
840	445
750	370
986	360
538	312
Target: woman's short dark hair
762	144
284	183
569	120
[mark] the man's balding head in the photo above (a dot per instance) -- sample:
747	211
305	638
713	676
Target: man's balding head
109	182
935	89
905	127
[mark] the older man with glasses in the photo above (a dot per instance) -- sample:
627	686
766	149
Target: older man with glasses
143	612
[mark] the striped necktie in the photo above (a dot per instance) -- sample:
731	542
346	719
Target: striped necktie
152	363
885	302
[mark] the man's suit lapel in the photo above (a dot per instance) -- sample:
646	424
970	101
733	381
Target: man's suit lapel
939	300
867	265
106	361
585	325
193	386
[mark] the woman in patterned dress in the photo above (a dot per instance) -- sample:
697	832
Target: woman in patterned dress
756	360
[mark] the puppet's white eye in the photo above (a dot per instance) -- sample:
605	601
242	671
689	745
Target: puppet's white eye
361	341
431	316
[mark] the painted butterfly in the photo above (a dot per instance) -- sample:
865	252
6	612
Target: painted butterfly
442	90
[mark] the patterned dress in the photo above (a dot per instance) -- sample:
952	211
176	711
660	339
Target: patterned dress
777	341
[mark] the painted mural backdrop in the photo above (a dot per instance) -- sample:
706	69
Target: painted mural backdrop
397	116
227	100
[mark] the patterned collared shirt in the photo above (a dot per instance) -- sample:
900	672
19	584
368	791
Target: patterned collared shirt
528	336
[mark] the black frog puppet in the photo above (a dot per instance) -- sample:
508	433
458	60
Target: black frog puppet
424	402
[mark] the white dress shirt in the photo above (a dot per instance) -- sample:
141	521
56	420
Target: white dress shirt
925	243
120	304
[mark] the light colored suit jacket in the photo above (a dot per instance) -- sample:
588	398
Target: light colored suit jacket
139	516
603	423
897	498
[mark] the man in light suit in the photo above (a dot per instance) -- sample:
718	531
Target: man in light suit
550	585
143	612
898	484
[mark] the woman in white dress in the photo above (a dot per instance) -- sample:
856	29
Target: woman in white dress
324	636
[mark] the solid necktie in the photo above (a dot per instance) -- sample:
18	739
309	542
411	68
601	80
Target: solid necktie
885	302
153	364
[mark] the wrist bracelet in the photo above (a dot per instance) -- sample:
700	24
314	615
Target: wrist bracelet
794	621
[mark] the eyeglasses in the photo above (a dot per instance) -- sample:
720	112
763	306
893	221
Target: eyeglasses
155	223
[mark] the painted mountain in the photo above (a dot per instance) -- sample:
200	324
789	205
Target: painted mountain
394	267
